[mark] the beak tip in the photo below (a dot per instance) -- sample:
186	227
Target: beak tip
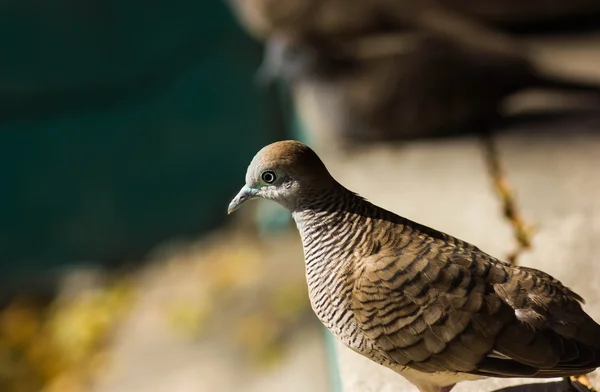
234	205
230	209
243	196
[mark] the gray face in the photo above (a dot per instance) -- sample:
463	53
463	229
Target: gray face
269	183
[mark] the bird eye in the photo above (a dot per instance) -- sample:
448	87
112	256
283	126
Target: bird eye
268	176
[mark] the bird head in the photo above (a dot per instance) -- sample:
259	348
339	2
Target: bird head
287	172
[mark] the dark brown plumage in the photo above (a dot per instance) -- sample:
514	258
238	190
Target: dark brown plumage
390	69
432	307
306	18
333	23
429	87
521	14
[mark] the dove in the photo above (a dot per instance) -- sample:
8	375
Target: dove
433	308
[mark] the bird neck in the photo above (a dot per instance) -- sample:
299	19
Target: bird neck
335	229
339	223
330	225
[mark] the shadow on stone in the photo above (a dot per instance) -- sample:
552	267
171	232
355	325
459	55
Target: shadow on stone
558	386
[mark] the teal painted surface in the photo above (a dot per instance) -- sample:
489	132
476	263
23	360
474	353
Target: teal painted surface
335	381
121	125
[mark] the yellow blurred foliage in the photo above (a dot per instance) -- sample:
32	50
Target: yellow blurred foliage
189	318
58	346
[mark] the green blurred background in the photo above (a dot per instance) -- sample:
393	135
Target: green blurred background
122	124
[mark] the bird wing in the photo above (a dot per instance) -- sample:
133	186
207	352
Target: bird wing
439	306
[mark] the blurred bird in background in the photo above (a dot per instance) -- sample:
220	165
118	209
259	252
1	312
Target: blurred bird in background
385	70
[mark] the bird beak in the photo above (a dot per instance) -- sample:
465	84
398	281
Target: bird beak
245	194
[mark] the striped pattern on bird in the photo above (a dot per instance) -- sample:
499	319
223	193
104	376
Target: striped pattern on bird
431	307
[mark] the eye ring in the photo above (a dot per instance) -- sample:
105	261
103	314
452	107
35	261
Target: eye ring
268	176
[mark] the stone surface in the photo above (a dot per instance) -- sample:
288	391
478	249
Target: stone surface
555	169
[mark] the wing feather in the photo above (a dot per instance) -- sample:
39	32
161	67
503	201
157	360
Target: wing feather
439	306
